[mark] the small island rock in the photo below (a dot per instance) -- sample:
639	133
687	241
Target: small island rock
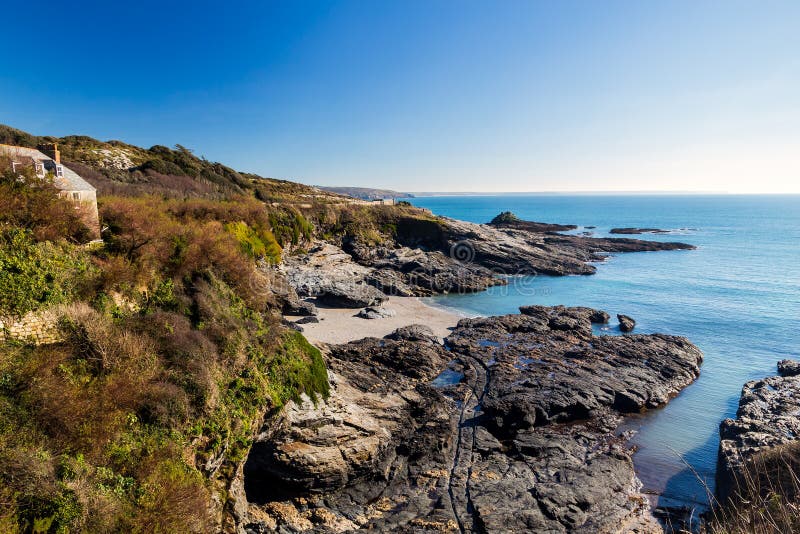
626	324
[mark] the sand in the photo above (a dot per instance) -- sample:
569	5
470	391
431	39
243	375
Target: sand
339	325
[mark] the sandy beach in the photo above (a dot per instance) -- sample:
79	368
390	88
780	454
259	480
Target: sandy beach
338	325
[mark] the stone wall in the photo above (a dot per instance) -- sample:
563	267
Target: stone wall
38	328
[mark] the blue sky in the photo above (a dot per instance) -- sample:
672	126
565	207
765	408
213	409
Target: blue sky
427	95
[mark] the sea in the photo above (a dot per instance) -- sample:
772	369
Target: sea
737	297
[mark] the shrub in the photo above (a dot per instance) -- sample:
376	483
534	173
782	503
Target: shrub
296	368
256	243
33	203
34	275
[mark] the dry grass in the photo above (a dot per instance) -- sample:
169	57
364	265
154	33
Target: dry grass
766	496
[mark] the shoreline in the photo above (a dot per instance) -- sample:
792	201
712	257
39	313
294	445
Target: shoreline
341	325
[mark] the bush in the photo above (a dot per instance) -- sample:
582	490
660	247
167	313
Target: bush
33	203
34	275
258	243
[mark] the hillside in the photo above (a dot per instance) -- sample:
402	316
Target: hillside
366	193
171	350
152	368
117	168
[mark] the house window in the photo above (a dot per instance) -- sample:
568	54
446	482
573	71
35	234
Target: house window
60	171
76	196
39	169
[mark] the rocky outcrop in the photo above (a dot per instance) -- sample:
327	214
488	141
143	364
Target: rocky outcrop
626	324
348	459
518	251
524	440
634	231
766	420
788	368
420	272
440	255
330	274
547	367
356	295
509	220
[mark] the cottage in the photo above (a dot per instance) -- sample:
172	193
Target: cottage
70	185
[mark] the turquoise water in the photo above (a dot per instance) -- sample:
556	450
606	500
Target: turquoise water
737	297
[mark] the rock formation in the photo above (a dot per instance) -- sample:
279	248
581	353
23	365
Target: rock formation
626	324
767	419
522	440
427	257
634	231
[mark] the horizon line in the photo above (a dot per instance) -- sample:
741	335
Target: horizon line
595	192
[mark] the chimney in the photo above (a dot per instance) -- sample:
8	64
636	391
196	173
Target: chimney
56	153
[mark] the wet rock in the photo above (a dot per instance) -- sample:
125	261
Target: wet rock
626	324
307	320
547	367
788	368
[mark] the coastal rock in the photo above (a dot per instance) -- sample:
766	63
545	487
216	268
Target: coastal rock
325	268
765	420
511	250
422	272
376	313
525	440
427	256
351	296
307	320
547	367
299	307
414	332
626	324
634	231
348	458
297	327
509	220
390	282
788	368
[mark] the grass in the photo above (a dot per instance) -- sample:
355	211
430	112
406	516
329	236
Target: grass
765	498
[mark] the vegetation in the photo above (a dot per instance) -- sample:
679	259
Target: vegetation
767	497
32	203
173	354
505	217
173	351
36	274
119	169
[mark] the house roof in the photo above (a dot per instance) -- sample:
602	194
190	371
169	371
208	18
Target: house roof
71	181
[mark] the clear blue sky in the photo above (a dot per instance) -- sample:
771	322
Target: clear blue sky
426	95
